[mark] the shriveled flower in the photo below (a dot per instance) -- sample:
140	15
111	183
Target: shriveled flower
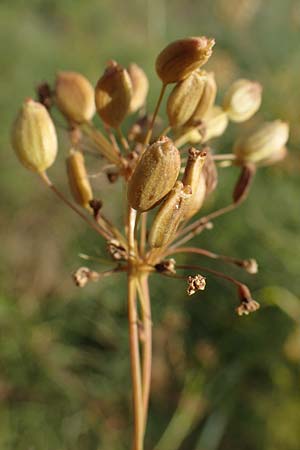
195	283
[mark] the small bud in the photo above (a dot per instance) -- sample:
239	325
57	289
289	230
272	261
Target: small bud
184	98
78	179
180	58
116	250
243	183
83	275
34	137
113	95
75	96
193	177
263	143
242	100
250	265
167	266
169	216
247	305
154	175
206	100
195	283
215	123
140	87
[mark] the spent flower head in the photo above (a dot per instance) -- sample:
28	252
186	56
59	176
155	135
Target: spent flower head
169	168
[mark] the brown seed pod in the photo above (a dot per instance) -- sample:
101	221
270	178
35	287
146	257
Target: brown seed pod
140	87
206	100
184	98
78	179
113	94
180	58
263	143
154	175
210	173
75	96
243	183
242	100
169	215
34	137
193	177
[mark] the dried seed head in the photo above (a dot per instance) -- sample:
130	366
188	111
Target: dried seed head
79	183
113	94
154	175
210	173
75	96
243	183
83	275
215	123
117	250
206	100
140	87
260	145
242	100
193	176
247	304
169	215
195	283
184	98
180	58
34	137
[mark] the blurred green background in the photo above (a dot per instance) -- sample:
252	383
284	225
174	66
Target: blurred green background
219	381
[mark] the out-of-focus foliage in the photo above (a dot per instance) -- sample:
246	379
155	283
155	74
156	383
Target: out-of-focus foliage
224	382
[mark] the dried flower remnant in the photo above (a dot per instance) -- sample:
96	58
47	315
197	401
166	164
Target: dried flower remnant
167	176
195	283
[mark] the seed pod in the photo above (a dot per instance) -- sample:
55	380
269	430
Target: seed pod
277	156
169	215
193	177
154	175
75	96
210	173
34	137
263	143
215	123
140	87
184	98
78	179
113	94
207	98
243	183
242	100
180	58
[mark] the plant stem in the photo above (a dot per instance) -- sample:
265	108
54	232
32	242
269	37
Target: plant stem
147	343
137	398
137	395
149	132
143	237
123	140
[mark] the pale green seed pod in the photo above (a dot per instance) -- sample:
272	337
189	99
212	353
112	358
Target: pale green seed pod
207	98
184	98
75	96
154	175
194	178
261	144
215	123
242	100
113	95
276	157
140	87
79	183
180	58
169	216
34	137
